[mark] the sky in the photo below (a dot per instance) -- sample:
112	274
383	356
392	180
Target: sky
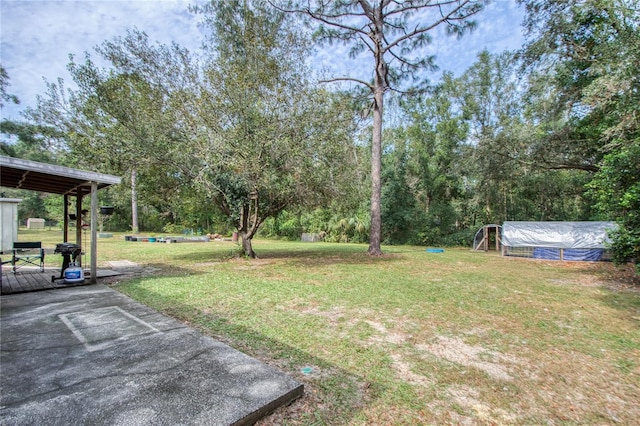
37	37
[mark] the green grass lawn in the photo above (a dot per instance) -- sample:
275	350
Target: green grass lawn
411	337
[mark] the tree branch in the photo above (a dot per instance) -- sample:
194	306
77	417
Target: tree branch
355	80
421	30
413	7
326	18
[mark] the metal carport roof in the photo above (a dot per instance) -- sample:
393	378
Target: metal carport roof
42	177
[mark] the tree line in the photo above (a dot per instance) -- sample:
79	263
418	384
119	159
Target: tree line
242	136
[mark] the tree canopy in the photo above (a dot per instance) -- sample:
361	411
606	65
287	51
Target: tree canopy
242	135
243	124
588	52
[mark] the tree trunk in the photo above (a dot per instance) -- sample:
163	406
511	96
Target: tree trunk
247	248
245	234
376	152
134	202
376	177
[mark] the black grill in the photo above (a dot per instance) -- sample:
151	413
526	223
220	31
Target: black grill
68	249
70	253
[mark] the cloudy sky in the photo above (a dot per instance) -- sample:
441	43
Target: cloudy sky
37	37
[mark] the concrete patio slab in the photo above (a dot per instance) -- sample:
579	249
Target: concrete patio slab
124	264
90	355
104	273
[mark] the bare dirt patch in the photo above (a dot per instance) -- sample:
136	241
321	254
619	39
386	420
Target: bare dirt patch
334	315
404	372
455	350
386	336
469	398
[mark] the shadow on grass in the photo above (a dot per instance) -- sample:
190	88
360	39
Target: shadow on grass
626	300
148	270
318	255
332	394
622	283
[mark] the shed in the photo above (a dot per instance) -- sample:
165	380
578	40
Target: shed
557	240
66	181
35	223
8	223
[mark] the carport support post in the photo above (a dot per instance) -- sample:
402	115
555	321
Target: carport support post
65	221
79	222
94	232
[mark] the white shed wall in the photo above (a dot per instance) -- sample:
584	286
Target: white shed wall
8	223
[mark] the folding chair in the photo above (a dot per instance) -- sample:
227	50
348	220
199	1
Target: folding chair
27	253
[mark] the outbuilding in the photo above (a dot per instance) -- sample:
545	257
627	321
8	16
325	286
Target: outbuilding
585	241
